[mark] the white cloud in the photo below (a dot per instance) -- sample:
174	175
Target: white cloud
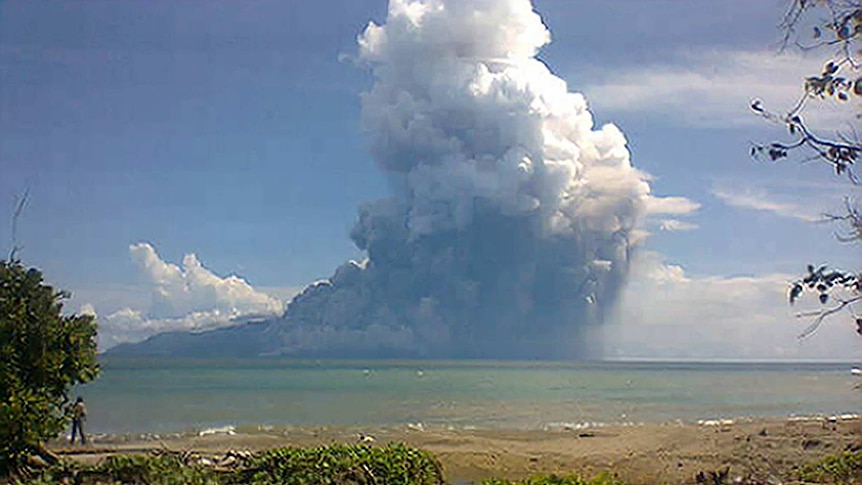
87	309
193	288
190	297
675	225
128	325
671	206
760	200
668	314
716	88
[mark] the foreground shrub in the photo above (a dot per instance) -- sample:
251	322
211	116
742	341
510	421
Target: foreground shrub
342	464
127	469
330	465
845	468
166	469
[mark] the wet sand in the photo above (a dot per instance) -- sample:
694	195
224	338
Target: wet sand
673	453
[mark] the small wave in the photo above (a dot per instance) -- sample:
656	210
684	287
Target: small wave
833	418
568	426
223	430
797	419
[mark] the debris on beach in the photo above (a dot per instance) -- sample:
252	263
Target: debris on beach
715	422
717	476
227	461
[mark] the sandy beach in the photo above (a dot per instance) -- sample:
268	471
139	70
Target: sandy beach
672	453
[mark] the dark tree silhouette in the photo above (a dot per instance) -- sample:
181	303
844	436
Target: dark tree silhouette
43	353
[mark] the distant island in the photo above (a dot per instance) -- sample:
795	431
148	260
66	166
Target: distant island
244	340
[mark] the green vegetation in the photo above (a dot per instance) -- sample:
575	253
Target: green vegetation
393	464
845	468
331	465
336	464
42	355
129	469
155	470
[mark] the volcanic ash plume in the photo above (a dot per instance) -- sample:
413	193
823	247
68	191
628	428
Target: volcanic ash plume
512	220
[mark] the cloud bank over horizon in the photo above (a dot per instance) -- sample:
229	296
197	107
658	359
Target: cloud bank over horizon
668	314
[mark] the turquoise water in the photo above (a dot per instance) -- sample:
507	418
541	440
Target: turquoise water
136	396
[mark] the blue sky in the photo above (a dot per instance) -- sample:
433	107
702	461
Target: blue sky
231	130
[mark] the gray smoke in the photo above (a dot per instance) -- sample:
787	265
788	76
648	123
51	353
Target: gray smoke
512	220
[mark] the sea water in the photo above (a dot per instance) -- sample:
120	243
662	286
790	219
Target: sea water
164	395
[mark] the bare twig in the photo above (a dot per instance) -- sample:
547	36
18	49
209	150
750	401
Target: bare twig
823	314
19	209
853	218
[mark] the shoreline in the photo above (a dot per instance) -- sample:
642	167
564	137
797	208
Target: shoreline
226	428
671	452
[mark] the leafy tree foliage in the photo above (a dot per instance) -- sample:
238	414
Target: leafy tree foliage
827	283
834	25
42	355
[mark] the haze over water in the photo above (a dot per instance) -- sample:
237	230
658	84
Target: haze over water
158	396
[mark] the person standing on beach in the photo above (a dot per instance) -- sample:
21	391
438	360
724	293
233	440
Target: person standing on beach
79	416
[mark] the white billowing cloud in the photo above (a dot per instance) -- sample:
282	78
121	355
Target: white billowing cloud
461	110
667	314
190	297
716	88
760	200
193	288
